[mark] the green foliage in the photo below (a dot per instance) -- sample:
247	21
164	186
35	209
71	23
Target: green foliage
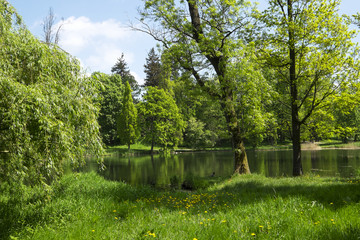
325	59
346	111
110	100
127	122
206	124
255	95
47	115
160	119
196	136
320	125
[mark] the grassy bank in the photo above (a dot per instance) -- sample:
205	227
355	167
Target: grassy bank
145	149
85	206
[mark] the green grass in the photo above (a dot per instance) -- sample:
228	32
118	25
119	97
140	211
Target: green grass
86	206
338	144
135	149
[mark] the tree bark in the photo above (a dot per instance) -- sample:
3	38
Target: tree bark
241	165
152	147
296	142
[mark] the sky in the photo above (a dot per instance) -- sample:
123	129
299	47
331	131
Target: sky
97	32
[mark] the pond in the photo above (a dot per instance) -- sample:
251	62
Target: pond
157	170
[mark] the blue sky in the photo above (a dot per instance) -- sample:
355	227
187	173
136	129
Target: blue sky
96	32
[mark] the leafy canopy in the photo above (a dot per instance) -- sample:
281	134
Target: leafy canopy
160	117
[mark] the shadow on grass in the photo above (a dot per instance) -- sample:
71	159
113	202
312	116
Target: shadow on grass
327	192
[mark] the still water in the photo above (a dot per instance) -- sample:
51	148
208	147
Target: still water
157	170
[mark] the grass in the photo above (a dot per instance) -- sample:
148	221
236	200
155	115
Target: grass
339	144
86	206
142	149
135	149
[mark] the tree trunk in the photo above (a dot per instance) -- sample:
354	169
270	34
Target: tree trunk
297	166
241	165
296	142
128	147
219	63
240	158
152	147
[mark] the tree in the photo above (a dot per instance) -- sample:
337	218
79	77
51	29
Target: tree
201	36
309	45
152	69
47	115
196	136
122	69
50	34
111	95
160	119
127	123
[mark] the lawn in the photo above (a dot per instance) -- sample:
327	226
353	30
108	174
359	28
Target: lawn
86	206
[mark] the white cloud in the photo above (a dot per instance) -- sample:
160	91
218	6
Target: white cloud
98	45
139	79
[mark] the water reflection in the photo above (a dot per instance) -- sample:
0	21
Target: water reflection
158	170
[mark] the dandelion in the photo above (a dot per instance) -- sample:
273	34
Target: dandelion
253	234
223	221
114	210
331	203
150	234
116	218
195	239
261	226
93	230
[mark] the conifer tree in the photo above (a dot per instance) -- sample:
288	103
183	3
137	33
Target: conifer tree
127	122
152	69
121	68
